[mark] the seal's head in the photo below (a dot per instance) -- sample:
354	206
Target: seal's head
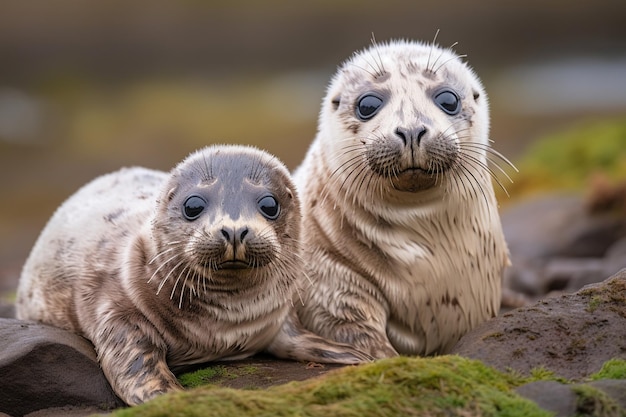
226	214
413	114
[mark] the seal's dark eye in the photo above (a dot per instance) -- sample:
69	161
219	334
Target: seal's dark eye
193	207
448	101
269	207
367	106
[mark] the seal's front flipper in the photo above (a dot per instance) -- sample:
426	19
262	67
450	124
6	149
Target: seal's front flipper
133	359
294	342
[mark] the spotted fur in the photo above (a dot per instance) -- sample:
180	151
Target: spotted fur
402	239
120	264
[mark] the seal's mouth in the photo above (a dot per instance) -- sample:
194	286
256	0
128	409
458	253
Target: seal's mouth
417	171
414	179
235	264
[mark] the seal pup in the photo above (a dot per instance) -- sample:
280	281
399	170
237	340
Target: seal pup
162	270
402	238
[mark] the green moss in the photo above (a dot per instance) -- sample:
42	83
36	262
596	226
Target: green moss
442	386
612	369
594	302
248	370
567	160
594	402
610	296
199	377
542	374
213	375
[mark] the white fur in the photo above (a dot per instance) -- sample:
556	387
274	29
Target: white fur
423	267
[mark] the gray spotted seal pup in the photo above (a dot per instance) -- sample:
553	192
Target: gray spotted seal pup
165	270
402	238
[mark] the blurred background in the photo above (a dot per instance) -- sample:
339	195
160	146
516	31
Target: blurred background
88	87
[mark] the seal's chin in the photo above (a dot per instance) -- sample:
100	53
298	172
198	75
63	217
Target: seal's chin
413	180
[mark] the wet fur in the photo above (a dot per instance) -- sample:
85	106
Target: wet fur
118	264
403	244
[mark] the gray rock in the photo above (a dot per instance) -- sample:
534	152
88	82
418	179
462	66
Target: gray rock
571	335
43	367
567	401
552	396
68	411
571	274
614	388
543	222
556	244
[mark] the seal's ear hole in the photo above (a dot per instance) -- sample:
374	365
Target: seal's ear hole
336	102
476	95
289	193
170	194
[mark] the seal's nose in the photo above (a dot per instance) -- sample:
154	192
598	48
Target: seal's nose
235	236
410	136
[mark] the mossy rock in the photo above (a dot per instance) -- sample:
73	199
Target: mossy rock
612	296
568	160
441	386
592	401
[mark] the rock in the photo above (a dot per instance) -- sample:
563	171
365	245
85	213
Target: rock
558	243
571	274
43	367
570	400
614	388
571	335
258	372
550	395
49	372
68	411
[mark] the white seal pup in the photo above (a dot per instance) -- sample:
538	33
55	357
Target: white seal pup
402	238
164	270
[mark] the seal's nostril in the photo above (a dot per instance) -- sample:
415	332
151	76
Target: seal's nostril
420	134
235	235
401	133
